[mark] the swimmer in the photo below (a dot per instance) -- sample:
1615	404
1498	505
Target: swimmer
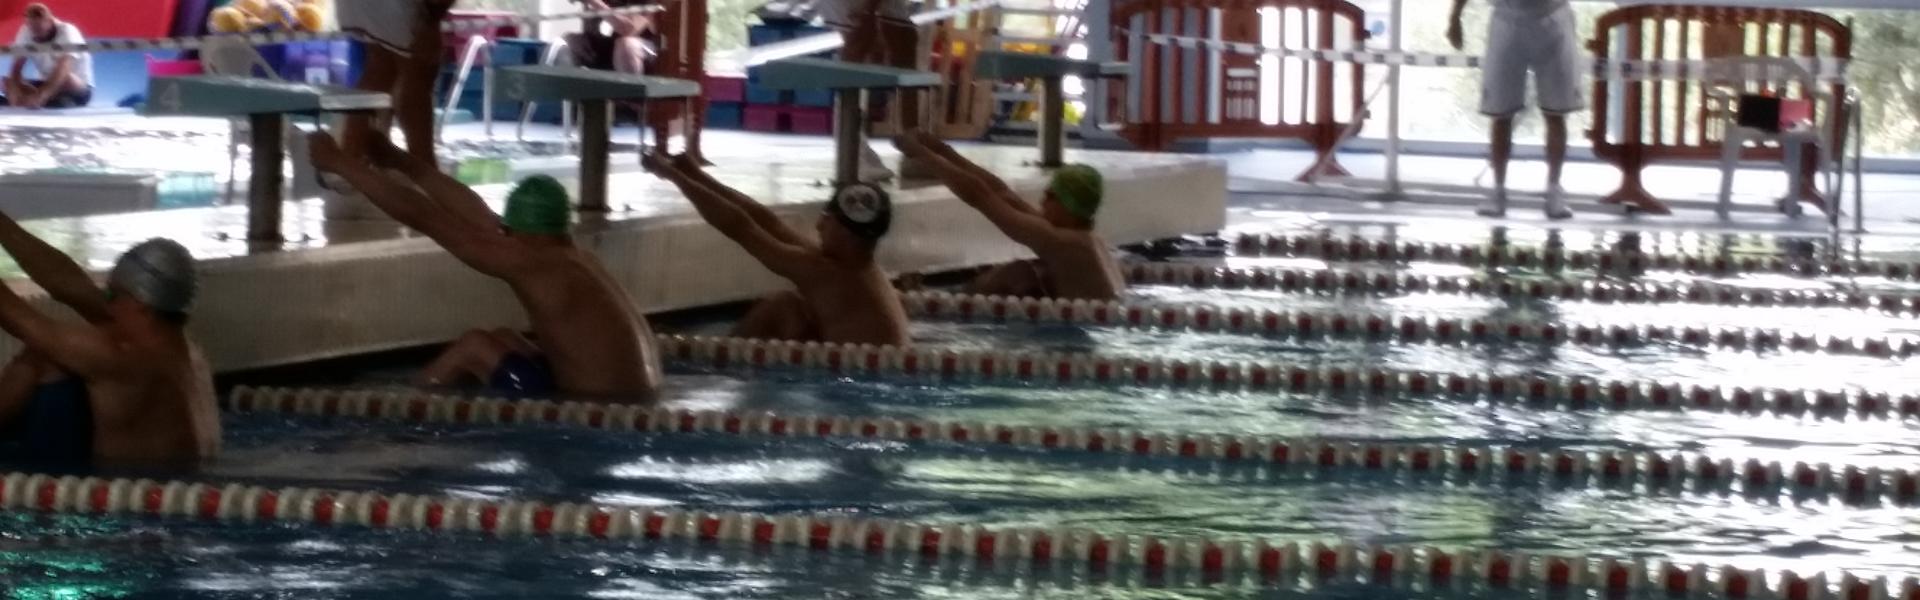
842	295
403	59
126	386
1073	262
591	340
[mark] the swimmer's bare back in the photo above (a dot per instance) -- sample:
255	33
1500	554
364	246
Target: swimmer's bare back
853	306
154	404
1079	265
586	325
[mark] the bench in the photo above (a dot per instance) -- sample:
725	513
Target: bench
1052	71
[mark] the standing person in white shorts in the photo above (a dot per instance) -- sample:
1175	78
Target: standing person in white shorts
878	32
1523	36
403	46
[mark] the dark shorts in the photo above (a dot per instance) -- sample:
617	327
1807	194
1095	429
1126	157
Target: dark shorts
522	375
65	99
55	427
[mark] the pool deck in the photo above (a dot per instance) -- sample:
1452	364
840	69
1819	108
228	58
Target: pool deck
340	288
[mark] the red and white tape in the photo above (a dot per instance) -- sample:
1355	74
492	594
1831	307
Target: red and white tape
1533	391
1355	248
1252	561
1380	327
1343	281
1561	468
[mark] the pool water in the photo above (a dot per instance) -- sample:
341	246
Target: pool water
57	556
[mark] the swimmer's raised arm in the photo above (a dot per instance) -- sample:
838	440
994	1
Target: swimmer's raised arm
79	349
485	250
63	279
453	197
935	147
686	165
988	195
785	259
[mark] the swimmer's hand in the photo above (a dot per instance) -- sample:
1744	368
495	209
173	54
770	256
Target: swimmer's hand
656	163
1454	35
909	143
326	153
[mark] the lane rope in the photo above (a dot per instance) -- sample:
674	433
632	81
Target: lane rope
1823	69
1356	248
282	37
1356	282
1543	392
1646	471
1254	561
1375	326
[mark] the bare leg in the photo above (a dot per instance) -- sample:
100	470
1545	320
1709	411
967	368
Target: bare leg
413	106
1556	158
630	55
381	70
469	359
902	47
782	316
1021	279
1501	149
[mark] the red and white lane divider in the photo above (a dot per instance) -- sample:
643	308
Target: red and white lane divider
1355	248
1513	465
1343	281
1379	327
1533	391
1253	561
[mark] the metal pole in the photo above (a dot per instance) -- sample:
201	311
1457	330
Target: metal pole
486	98
849	133
1859	180
1053	117
263	193
596	132
1397	14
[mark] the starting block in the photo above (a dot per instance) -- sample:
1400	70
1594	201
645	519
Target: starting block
850	83
594	90
1051	71
266	104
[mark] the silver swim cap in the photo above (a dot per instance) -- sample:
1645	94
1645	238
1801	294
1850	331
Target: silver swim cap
159	273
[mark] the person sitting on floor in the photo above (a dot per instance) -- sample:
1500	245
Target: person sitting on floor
1073	262
592	341
66	78
125	386
842	296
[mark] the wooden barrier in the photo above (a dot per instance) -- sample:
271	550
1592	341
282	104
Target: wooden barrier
1674	120
1207	93
683	55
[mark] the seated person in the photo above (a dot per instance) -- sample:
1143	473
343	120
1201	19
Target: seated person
842	296
1073	262
125	386
592	342
66	79
626	43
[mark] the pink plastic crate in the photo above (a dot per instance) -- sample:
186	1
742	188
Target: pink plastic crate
813	121
726	89
761	118
173	68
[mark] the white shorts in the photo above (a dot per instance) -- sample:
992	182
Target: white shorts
1546	45
843	14
389	23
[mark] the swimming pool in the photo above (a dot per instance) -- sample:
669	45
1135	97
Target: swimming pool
964	433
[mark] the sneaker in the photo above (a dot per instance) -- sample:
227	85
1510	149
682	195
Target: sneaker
1495	205
872	169
1557	204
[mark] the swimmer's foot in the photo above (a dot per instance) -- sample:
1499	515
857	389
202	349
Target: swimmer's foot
1495	205
1557	204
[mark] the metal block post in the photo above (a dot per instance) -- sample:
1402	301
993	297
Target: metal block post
849	134
596	133
264	191
1053	118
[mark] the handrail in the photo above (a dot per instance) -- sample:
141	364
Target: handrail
475	45
526	108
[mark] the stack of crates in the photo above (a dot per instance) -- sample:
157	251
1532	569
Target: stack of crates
726	101
804	111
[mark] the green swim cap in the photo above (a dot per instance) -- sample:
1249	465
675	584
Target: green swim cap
1078	188
538	206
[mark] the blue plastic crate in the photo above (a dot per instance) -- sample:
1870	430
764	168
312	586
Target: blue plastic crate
724	115
761	35
813	98
760	95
